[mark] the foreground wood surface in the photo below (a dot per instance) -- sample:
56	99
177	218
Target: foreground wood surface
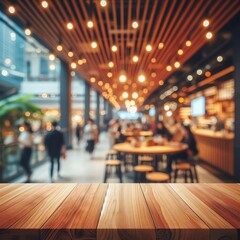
119	211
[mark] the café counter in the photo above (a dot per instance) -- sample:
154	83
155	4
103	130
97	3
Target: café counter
216	148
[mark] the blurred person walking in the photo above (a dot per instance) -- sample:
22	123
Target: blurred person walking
78	133
55	146
91	136
25	140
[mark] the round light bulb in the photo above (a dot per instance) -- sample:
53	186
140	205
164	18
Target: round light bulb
219	58
103	3
27	31
189	77
11	9
44	4
51	57
111	64
149	48
70	54
135	58
180	51
135	95
125	95
59	47
94	45
206	23
69	25
90	24
169	68
109	74
177	64
160	45
73	65
141	78
122	78
209	35
199	72
52	67
93	79
114	48
135	24
188	43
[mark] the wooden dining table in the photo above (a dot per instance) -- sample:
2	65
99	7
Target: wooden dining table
119	211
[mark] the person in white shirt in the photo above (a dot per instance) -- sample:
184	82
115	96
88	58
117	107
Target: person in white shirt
91	136
25	142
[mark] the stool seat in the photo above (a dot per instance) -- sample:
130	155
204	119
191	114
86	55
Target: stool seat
143	168
146	159
111	152
157	177
114	162
183	166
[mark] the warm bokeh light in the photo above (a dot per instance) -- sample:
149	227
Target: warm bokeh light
188	43
44	4
84	60
122	78
153	60
73	65
90	24
27	31
160	45
70	54
111	64
205	23
135	24
169	68
52	67
208	74
141	78
177	64
209	35
125	95
181	100
153	74
135	95
93	79
189	77
100	83
180	51
148	48
135	58
94	44
80	62
69	25
114	48
11	9
51	57
161	82
109	74
103	3
199	72
219	58
59	47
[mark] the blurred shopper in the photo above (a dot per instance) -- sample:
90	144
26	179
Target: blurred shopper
25	142
120	136
113	131
55	146
78	133
162	131
189	139
91	136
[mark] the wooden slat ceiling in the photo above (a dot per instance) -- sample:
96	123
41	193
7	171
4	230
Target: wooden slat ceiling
170	22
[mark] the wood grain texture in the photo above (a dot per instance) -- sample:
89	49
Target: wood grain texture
219	227
172	216
125	215
78	216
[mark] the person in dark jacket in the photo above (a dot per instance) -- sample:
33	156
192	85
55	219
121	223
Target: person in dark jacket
55	146
162	130
188	138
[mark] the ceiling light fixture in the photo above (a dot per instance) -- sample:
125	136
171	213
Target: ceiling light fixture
11	9
44	4
141	78
206	23
219	58
70	54
103	3
199	72
190	78
90	24
94	44
114	48
177	64
160	45
125	95
148	48
135	58
109	74
27	31
180	51
93	79
122	78
51	57
73	65
111	64
209	35
135	95
188	43
59	47
169	68
135	24
69	25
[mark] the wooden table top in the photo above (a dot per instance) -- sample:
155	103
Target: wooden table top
141	133
119	211
166	149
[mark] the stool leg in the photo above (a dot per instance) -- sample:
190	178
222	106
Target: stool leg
120	173
195	173
185	176
175	175
106	174
191	175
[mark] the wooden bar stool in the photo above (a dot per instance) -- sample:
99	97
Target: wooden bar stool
186	169
111	154
111	164
142	170
157	177
146	160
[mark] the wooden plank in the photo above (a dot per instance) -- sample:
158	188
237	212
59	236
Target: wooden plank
172	216
125	215
78	216
219	227
25	214
224	204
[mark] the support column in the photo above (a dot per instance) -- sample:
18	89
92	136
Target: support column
109	111
87	103
65	103
98	110
236	75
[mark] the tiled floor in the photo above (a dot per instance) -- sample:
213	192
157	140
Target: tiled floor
78	167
